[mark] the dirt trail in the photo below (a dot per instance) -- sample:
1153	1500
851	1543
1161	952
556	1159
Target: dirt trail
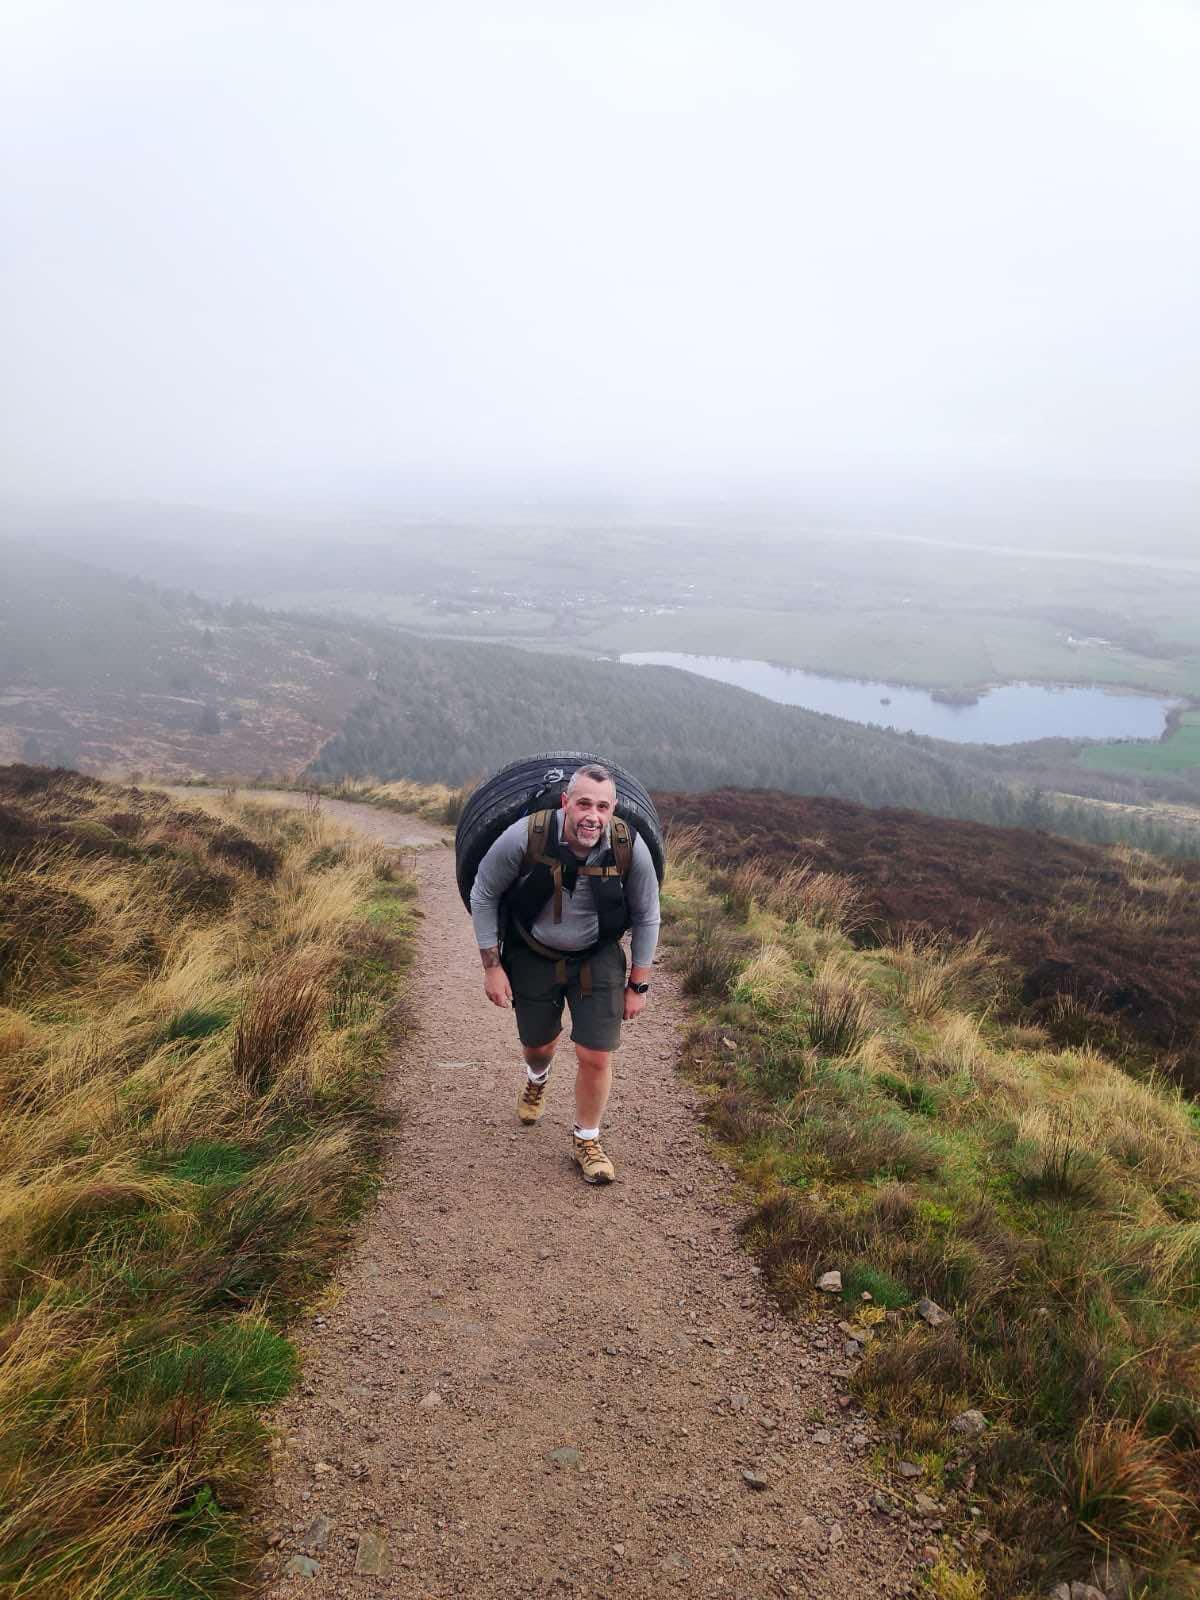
530	1387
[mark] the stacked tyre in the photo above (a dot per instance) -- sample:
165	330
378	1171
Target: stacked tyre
536	783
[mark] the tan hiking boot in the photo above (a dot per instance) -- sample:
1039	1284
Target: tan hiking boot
593	1163
531	1102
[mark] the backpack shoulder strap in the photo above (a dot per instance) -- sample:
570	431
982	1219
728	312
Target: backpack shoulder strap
621	838
536	835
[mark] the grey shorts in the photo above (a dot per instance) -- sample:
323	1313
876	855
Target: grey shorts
538	996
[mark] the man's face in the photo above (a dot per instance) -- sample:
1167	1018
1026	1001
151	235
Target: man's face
586	813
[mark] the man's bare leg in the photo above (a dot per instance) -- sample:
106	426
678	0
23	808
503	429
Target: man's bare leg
539	1056
593	1080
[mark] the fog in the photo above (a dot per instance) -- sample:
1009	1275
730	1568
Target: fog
277	255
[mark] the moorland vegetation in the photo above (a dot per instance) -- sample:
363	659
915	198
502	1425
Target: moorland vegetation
195	1004
1100	943
1014	1215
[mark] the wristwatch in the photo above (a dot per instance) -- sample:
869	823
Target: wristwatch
638	988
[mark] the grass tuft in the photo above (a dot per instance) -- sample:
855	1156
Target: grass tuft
279	1022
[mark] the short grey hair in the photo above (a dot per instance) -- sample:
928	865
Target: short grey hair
595	772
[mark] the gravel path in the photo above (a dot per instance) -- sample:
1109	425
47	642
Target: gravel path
526	1386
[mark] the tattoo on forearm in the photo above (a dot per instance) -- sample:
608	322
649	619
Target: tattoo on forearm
490	957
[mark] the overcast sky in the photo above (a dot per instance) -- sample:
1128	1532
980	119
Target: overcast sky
262	251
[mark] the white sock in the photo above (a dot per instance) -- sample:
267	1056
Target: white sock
587	1133
537	1077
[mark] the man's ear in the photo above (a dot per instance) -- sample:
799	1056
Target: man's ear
562	804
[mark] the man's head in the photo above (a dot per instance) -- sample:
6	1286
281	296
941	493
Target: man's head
587	803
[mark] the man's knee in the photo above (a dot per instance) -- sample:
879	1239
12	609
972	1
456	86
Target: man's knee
593	1060
539	1053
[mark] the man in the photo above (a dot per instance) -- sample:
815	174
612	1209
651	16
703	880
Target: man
563	922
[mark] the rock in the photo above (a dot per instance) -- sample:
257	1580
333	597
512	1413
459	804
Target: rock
866	1296
1114	1575
830	1282
728	1043
909	1469
882	1504
929	1311
302	1567
822	1436
430	1402
925	1505
618	1549
739	1402
1061	1591
371	1560
321	1469
809	1534
565	1456
852	1348
835	1534
1086	1591
969	1423
318	1532
755	1480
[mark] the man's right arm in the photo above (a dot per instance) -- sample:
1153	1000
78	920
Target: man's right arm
496	874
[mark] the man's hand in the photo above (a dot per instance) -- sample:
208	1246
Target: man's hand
635	1004
495	980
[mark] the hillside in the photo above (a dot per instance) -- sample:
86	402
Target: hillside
109	674
113	675
1001	1387
1007	1219
1101	942
194	1007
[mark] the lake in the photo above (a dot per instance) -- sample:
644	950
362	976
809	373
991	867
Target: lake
1009	714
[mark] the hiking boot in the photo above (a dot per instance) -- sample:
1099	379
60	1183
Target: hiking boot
593	1163
531	1102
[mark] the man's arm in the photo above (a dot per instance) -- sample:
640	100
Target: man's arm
641	894
496	874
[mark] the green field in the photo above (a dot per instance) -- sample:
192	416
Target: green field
855	606
1176	754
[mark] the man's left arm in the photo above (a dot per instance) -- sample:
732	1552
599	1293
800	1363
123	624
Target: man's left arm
641	892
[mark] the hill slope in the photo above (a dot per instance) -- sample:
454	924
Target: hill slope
1101	941
194	1007
111	674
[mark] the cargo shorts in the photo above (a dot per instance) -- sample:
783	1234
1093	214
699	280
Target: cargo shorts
538	996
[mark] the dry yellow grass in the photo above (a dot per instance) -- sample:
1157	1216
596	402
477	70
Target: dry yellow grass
185	1039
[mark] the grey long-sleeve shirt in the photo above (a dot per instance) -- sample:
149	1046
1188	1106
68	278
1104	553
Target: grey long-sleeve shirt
580	925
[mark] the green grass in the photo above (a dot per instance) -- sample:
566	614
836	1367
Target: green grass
1178	753
195	1023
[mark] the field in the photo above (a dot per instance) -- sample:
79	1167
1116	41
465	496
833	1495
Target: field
1180	752
859	604
194	1007
1014	1218
1099	943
